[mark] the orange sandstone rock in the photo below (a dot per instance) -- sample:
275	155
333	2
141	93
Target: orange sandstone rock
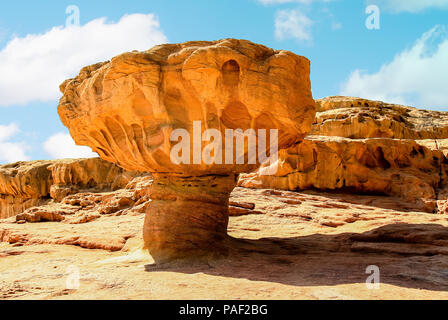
366	146
127	108
28	184
358	118
392	167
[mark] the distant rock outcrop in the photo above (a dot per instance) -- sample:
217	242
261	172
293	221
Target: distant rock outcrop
28	184
357	118
365	146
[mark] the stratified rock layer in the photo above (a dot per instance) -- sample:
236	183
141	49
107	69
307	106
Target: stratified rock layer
198	205
128	109
365	146
358	118
28	184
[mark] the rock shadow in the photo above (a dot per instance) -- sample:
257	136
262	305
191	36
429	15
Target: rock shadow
408	255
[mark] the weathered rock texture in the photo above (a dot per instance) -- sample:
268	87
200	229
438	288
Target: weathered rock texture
126	110
185	209
297	245
358	118
28	184
365	146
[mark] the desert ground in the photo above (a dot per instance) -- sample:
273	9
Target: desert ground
303	245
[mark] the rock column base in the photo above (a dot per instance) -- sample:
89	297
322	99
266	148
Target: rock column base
188	216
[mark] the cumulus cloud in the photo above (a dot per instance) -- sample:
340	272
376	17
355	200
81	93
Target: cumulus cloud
62	146
11	151
32	67
292	24
417	76
413	6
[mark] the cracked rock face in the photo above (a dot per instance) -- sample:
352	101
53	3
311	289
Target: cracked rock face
127	109
28	184
366	146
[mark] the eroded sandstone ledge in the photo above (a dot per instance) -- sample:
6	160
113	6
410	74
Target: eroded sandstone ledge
29	184
363	146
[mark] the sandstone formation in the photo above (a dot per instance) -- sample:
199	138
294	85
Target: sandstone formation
364	146
127	109
358	118
23	185
370	166
28	184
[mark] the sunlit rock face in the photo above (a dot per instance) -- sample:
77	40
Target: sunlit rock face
28	184
126	109
137	108
358	118
367	146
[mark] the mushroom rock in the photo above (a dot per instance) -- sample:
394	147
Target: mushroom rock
140	108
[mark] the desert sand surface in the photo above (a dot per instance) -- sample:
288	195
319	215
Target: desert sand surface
301	245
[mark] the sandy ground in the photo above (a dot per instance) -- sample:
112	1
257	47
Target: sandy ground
304	246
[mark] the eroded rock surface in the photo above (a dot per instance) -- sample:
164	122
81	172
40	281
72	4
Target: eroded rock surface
364	146
126	109
392	167
25	185
359	118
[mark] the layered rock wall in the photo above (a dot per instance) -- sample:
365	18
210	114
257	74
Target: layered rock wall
27	184
364	146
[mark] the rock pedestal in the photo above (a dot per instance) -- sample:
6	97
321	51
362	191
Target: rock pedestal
188	216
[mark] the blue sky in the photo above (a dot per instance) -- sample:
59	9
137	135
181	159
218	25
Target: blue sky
404	61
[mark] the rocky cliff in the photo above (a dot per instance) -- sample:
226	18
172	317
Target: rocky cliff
367	147
29	184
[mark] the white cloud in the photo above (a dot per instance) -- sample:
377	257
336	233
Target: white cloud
32	67
413	6
61	146
292	24
417	76
11	151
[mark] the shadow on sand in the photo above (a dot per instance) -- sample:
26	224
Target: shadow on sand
408	255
